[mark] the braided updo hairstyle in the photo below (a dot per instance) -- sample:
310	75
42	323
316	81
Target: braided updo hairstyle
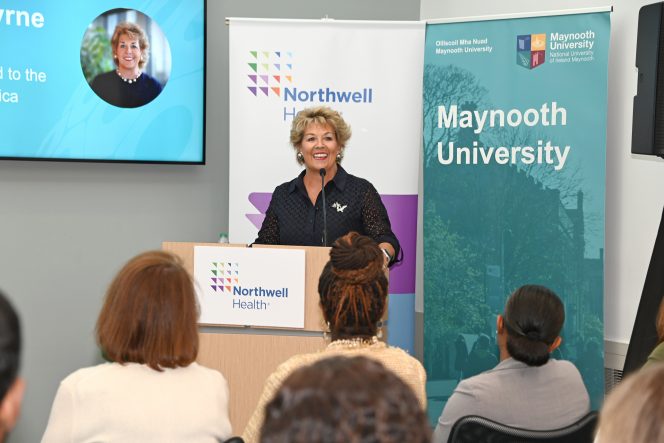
534	317
353	287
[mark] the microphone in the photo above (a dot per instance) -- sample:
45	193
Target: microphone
322	179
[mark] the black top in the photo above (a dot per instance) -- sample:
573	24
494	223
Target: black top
353	204
112	89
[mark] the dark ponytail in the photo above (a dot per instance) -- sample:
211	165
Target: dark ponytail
533	319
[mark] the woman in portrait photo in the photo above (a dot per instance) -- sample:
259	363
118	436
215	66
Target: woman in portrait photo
128	86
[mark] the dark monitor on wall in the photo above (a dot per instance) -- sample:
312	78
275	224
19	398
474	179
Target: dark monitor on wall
648	111
103	80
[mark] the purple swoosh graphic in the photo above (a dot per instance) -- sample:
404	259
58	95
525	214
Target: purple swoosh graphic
402	210
260	200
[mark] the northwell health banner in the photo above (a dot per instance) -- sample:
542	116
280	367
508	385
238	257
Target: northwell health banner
514	120
369	71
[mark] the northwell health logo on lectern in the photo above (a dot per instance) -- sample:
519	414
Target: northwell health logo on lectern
224	276
250	286
530	50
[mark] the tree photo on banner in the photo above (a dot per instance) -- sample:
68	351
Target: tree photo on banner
514	146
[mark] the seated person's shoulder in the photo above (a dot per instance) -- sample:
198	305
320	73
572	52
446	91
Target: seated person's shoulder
204	372
564	366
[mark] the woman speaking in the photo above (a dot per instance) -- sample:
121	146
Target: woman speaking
300	214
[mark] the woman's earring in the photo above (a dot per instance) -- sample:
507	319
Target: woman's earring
340	156
379	329
326	332
300	156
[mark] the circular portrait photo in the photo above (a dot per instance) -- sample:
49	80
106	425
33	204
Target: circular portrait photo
125	58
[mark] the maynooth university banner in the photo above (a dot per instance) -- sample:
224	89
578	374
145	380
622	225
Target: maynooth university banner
514	177
369	71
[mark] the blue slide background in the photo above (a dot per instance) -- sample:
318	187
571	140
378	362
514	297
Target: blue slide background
63	118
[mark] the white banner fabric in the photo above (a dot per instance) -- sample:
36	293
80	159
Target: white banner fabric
369	71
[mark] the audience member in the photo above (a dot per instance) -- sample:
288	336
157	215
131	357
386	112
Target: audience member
11	386
657	354
526	389
353	298
151	390
343	399
634	410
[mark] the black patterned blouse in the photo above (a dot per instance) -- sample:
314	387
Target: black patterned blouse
353	204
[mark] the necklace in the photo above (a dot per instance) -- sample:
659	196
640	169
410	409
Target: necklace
353	343
128	80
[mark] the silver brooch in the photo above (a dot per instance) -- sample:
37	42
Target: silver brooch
338	206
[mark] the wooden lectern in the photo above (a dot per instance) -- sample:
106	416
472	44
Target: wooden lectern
248	355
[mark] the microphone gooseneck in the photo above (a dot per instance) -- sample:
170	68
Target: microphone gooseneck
322	179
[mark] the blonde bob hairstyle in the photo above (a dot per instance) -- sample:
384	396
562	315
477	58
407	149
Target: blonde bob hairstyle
150	314
634	410
321	115
133	31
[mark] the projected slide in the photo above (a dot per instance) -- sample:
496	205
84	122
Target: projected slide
102	80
